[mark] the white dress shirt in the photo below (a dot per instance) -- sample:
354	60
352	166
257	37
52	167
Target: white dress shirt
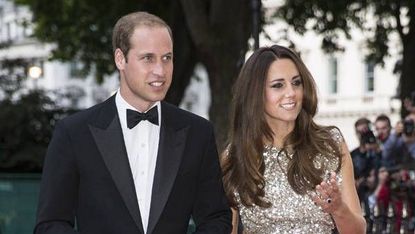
141	143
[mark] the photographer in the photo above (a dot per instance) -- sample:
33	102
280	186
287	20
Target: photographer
406	142
367	155
409	102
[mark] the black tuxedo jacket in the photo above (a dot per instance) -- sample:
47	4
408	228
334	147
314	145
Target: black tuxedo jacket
87	179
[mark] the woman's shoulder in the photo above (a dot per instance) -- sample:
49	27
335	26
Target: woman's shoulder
335	134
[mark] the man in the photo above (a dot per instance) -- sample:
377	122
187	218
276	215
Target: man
406	142
388	141
115	169
398	147
366	159
367	155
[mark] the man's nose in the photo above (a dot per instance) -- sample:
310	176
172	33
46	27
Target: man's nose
158	69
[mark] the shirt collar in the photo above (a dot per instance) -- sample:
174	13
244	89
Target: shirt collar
123	105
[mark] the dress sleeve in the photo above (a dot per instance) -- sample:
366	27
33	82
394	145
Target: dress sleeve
337	135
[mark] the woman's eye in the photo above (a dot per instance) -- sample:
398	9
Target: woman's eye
297	82
277	85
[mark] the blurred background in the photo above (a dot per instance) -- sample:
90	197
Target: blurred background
56	59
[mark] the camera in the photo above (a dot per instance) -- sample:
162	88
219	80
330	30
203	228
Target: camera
408	127
368	137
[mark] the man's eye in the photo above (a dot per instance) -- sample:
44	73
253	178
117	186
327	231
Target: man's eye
167	58
147	58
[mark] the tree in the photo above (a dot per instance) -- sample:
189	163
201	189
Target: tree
213	32
220	31
26	120
332	19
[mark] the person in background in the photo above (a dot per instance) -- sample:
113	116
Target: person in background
388	141
409	103
381	196
367	155
366	190
403	153
283	172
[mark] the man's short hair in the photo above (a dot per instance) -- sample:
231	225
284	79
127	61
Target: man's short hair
361	121
384	118
124	28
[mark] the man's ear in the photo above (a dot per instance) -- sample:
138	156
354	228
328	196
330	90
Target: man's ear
119	59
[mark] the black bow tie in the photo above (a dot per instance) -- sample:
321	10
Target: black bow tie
134	117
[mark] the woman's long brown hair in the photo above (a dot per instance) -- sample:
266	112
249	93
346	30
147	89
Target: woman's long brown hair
242	163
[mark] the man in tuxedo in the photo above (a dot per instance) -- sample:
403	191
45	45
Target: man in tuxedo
134	163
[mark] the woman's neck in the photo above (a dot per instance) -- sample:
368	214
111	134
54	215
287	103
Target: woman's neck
279	140
280	130
280	135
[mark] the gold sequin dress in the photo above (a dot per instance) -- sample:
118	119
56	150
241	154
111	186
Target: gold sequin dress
290	212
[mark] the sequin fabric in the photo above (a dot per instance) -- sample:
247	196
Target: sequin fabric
290	212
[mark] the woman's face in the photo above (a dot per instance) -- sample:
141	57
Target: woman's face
283	94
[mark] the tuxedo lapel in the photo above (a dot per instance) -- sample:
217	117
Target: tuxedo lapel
171	146
109	139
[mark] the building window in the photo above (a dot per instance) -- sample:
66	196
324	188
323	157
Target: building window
333	75
27	29
370	77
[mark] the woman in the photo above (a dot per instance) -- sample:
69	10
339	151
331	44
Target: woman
282	171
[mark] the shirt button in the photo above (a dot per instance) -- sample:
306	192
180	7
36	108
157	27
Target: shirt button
142	173
143	145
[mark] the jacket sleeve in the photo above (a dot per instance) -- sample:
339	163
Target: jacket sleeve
59	186
211	211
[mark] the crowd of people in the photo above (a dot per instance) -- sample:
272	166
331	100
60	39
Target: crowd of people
384	169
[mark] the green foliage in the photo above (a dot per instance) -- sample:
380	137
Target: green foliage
27	120
25	130
82	29
332	19
212	32
379	19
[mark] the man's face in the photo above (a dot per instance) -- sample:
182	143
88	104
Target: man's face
383	129
146	71
362	128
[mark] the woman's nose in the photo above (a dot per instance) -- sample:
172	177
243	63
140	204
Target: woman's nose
289	92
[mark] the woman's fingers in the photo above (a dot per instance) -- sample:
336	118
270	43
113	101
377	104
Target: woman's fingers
328	194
